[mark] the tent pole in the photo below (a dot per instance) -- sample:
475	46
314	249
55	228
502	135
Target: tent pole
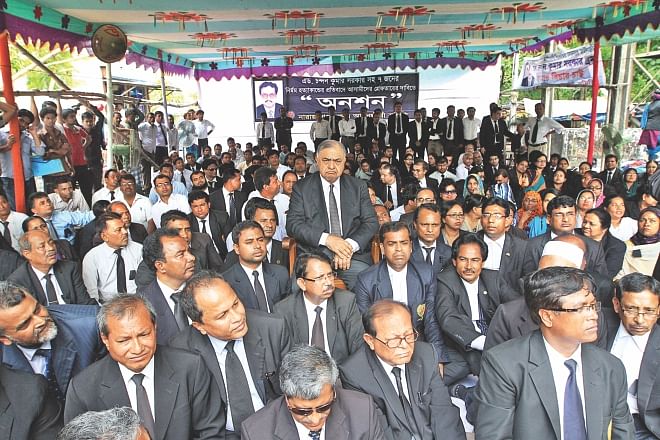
14	129
110	109
162	87
594	101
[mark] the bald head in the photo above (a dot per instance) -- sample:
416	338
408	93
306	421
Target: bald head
565	251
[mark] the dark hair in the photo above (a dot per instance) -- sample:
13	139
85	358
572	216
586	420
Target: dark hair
208	162
611	156
162	176
244	226
35	196
544	288
473	201
610	198
102	220
466	239
127	176
120	306
87	115
47	111
172	216
560	202
198	195
25	113
259	203
547	191
603	217
446	205
26	223
166	165
202	279
229	173
635	283
300	267
107	173
267	84
381	308
99	207
392	227
152	248
262	177
429	206
62	179
445	183
497	201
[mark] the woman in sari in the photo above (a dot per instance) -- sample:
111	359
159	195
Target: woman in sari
584	202
473	186
643	248
532	206
537	163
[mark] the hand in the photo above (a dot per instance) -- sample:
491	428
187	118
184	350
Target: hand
339	246
340	263
11	139
389	205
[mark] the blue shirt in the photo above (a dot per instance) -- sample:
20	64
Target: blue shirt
66	223
177	188
28	147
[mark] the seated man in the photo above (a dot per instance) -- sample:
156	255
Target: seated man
64	249
397	277
314	221
320	314
61	224
57	343
49	280
171	390
259	284
136	231
242	348
312	406
422	409
429	247
207	221
112	423
551	383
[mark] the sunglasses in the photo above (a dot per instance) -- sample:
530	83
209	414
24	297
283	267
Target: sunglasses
305	412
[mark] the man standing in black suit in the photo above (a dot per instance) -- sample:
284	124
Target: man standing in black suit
402	377
283	126
167	255
492	132
397	127
171	390
428	247
633	337
418	133
314	214
333	121
320	314
258	284
378	131
229	199
49	280
363	126
213	223
242	348
451	133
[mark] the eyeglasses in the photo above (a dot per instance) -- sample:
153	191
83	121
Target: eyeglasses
396	342
451	191
305	412
320	279
425	200
596	187
493	215
163	184
456	215
588	308
633	312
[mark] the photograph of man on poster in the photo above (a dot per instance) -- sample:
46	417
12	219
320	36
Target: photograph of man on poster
269	94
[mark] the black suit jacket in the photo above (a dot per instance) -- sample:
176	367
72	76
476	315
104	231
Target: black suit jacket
308	219
648	382
487	138
26	413
10	262
379	135
276	282
391	124
516	393
266	343
359	124
217	200
453	312
186	405
412	134
334	124
489	175
166	327
511	262
617	177
201	247
441	257
277	256
433	412
218	222
67	274
458	130
343	322
595	256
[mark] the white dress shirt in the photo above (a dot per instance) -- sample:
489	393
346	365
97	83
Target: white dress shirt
434	126
546	125
396	213
472	290
100	269
42	280
147	383
347	127
495	247
15	220
77	202
398	280
311	317
325	185
167	294
462	172
148	133
38	363
320	130
268	131
303	433
422	245
202	128
140	209
471	128
630	350
259	269
560	375
206	226
161	135
176	201
104	194
221	354
394	188
404	381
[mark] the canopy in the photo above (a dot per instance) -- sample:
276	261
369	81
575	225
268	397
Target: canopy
223	38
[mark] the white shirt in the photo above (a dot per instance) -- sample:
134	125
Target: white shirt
630	350
303	433
176	201
77	202
176	178
495	247
100	269
461	171
434	126
395	193
15	220
396	213
104	194
41	276
320	130
560	375
221	354
140	210
38	363
418	127
437	175
471	128
202	128
546	125
259	269
347	127
398	280
167	294
325	185
147	383
626	229
404	381
148	133
268	131
472	290
422	245
161	135
311	317
280	170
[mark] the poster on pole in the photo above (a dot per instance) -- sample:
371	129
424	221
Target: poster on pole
573	68
303	96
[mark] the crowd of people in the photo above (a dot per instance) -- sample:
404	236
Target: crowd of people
367	288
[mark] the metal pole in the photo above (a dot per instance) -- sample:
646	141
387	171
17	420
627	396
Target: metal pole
162	87
594	102
110	109
14	129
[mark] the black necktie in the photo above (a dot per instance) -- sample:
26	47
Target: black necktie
6	233
335	223
162	130
407	409
315	435
112	196
183	179
481	322
259	293
609	177
450	126
179	315
497	130
428	254
442	177
263	130
203	226
51	296
398	123
574	428
232	209
121	273
389	194
49	374
318	339
143	406
535	132
238	390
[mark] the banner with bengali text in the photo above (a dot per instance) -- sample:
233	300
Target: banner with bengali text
303	96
